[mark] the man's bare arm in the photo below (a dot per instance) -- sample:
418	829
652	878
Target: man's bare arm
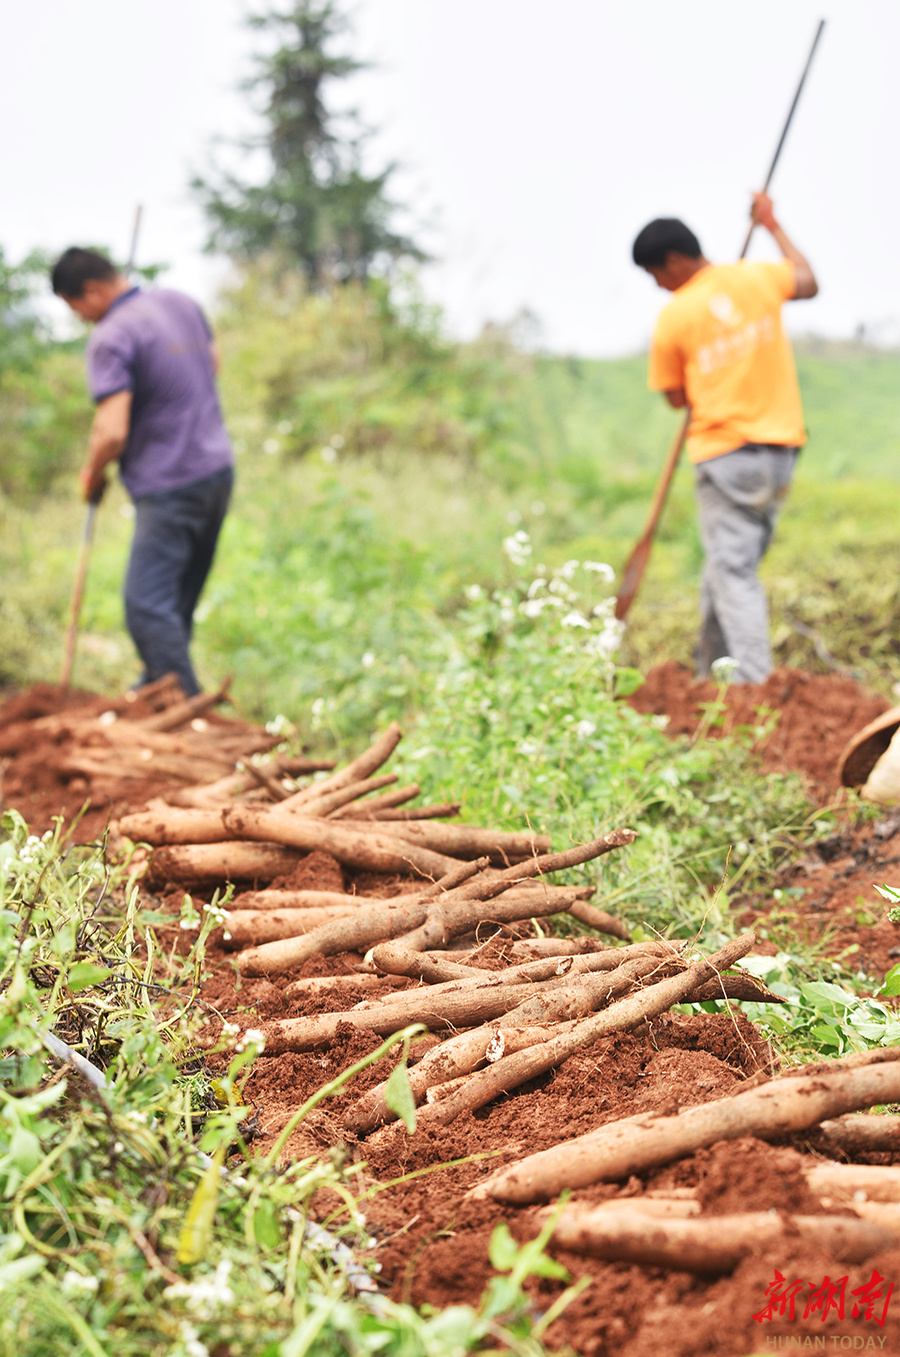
106	441
763	214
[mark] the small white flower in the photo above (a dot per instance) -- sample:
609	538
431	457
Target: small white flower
538	507
271	446
601	568
318	708
514	517
284	427
604	643
724	669
568	570
506	614
473	593
585	729
533	607
73	1282
526	747
575	619
536	586
230	1029
659	722
518	547
252	1037
337	440
559	586
279	725
204	1296
329	454
368	659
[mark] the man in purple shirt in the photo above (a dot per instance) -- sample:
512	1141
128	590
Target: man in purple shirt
151	368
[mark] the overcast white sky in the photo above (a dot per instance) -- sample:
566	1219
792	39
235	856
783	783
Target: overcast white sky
538	139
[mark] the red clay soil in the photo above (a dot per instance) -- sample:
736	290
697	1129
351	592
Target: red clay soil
817	715
826	896
430	1240
31	778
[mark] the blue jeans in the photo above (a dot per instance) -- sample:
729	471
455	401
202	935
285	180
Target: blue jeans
739	495
172	550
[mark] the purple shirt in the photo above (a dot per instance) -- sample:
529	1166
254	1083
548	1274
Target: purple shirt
156	345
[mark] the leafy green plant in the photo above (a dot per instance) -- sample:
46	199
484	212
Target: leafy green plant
892	895
823	1016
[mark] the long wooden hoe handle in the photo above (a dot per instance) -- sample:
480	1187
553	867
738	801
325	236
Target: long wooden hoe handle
637	561
84	553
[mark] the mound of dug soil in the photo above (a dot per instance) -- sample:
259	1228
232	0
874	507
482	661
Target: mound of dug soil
825	896
817	715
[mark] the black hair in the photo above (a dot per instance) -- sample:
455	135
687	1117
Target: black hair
75	267
659	237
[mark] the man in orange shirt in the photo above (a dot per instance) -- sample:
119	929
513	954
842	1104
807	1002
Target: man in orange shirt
719	349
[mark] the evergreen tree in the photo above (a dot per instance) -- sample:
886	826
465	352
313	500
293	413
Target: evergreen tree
317	209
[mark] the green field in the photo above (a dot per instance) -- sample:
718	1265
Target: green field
443	451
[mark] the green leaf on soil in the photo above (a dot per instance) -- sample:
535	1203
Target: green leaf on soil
891	986
196	1232
398	1094
84	974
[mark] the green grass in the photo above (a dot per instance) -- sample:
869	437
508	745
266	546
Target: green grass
437	452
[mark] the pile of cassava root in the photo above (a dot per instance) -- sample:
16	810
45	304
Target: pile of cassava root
436	924
104	744
856	1216
449	890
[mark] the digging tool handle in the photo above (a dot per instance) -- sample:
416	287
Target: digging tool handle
135	232
637	561
78	588
784	132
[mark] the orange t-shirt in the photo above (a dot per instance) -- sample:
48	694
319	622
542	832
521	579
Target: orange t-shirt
720	338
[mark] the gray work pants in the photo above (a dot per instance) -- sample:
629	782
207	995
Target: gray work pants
738	498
